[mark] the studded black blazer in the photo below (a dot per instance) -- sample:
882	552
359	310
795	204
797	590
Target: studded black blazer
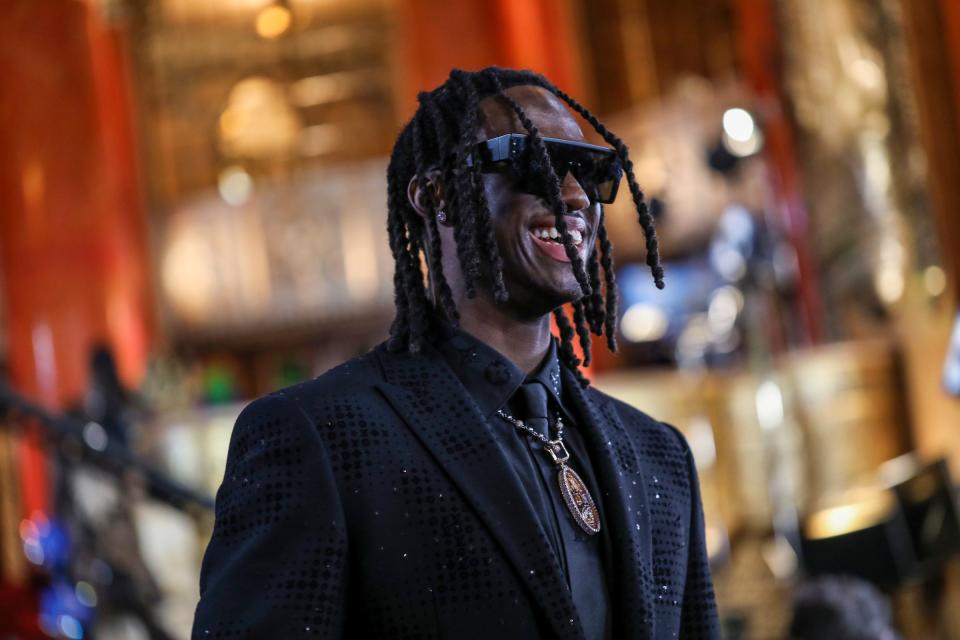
373	502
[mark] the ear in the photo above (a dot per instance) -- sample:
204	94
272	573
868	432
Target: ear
418	196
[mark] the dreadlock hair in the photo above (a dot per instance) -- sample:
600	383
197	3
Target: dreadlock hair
441	137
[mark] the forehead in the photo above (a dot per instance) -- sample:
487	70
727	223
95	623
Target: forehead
545	110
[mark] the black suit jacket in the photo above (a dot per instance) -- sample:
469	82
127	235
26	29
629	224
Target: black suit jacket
373	502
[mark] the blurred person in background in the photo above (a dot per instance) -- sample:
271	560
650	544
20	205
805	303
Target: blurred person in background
840	608
98	506
463	479
107	401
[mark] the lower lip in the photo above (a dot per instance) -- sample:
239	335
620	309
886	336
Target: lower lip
555	250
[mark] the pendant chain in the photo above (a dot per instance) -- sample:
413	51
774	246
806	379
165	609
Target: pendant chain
575	493
520	424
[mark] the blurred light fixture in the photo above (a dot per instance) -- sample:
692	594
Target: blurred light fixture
235	185
865	508
951	368
769	401
332	87
889	276
867	73
786	265
188	273
888	282
259	121
934	280
360	261
733	242
95	436
741	136
725	305
738	124
315	90
70	627
700	438
876	164
273	22
694	340
643	323
86	594
728	262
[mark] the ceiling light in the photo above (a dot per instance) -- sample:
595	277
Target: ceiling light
273	22
643	323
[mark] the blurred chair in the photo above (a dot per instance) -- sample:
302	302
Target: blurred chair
864	533
929	503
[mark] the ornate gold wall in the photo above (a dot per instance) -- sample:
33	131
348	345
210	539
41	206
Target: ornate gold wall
858	100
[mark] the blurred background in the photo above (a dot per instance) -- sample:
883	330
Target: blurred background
192	214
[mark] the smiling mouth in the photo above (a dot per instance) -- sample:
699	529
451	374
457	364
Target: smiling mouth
547	238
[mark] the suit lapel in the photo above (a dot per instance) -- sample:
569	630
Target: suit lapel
626	510
435	406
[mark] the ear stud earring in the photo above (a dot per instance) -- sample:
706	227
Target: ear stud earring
442	216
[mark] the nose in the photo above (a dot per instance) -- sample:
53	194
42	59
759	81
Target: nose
572	194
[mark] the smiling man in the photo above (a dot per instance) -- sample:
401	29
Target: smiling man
463	480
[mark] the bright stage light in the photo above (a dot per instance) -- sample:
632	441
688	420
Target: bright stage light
741	136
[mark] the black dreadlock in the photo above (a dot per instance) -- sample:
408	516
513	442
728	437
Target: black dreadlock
440	137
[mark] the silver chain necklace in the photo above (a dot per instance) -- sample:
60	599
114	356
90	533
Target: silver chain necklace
575	494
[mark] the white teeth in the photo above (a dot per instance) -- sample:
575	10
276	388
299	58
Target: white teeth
551	233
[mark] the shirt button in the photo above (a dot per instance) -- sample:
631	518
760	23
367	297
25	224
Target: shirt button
497	372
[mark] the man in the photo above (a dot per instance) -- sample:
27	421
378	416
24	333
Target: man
461	480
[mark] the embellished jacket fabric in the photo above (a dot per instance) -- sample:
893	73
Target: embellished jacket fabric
373	502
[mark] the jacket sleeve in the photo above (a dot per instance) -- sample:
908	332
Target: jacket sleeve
699	613
276	563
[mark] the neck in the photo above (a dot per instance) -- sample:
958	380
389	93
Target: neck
524	341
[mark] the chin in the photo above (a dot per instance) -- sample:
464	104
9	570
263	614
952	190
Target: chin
538	284
533	299
565	292
558	283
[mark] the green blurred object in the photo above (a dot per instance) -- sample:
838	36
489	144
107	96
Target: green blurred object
219	385
290	372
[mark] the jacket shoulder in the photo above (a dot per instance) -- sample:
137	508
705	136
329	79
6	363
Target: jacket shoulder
646	427
287	410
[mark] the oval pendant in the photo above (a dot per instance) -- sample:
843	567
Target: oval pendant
579	502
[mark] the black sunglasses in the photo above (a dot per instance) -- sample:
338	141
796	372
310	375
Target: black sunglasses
597	169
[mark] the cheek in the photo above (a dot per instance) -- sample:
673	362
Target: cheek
593	215
497	192
504	206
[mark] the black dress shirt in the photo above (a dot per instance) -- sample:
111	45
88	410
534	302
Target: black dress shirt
493	383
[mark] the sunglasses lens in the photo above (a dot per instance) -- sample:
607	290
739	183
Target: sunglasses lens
605	191
597	172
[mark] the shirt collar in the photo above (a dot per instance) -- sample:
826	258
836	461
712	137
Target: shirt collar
489	376
548	373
